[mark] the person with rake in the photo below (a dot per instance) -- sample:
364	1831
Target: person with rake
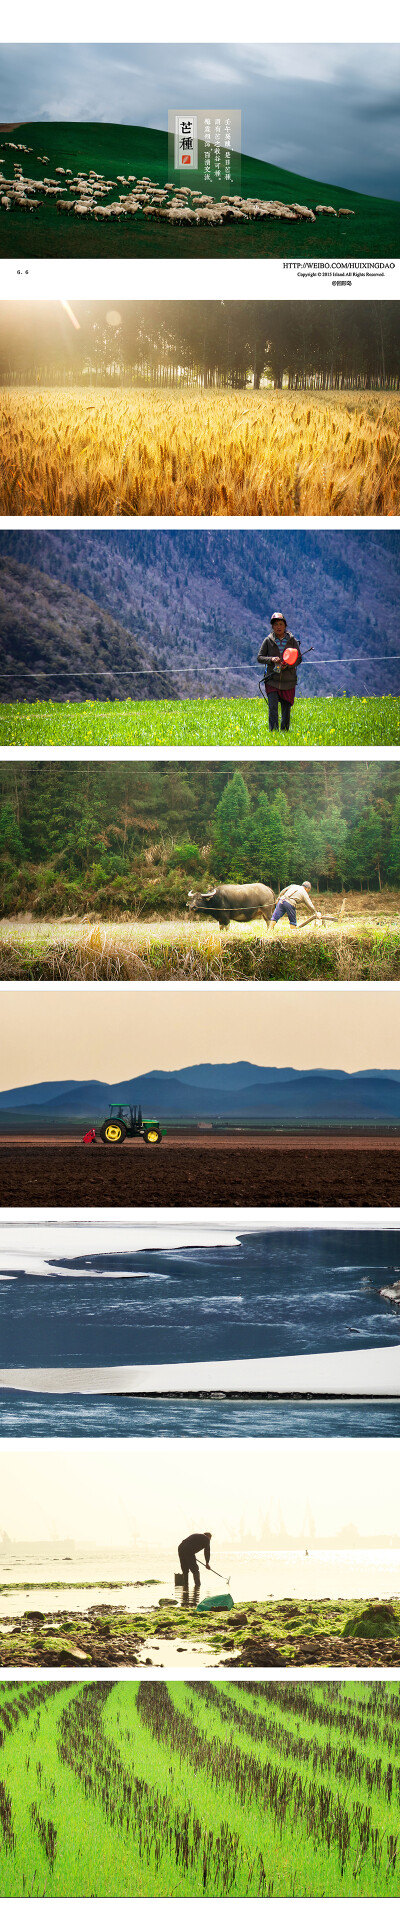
280	656
187	1551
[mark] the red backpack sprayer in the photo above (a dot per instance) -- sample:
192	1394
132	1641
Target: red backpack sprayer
289	658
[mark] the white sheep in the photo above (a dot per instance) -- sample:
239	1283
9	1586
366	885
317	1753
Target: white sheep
305	213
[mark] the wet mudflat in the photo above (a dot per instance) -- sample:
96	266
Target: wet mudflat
214	1171
287	1633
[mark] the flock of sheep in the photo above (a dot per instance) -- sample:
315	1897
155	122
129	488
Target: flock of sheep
83	195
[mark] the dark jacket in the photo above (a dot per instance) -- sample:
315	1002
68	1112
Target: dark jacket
276	677
192	1545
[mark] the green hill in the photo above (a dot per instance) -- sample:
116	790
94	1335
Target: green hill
373	233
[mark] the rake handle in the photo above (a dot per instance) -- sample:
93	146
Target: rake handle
214	1570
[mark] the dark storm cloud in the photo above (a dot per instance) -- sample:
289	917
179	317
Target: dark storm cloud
326	111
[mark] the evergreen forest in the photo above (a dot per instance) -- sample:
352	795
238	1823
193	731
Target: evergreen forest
127	841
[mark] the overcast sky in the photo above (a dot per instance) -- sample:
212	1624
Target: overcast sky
107	1495
60	1033
328	112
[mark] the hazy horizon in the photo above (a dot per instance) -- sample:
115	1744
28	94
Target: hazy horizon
56	1034
159	1495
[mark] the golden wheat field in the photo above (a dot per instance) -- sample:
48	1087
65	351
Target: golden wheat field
91	451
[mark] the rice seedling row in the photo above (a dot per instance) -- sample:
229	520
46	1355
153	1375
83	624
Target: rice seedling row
343	1760
205	1788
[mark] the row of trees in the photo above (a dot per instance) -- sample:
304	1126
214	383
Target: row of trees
128	840
205	344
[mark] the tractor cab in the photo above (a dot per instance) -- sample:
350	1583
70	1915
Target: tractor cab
124	1122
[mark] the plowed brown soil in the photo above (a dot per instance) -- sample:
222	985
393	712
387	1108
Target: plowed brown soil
214	1171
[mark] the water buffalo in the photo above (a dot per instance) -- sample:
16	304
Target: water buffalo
226	903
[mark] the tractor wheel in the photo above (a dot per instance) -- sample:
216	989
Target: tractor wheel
113	1133
153	1137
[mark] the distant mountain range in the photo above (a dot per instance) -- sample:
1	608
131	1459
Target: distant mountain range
239	1091
88	612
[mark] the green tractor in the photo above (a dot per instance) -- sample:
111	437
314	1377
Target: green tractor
126	1123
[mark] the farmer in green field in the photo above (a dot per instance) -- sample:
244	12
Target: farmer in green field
187	1551
289	899
280	656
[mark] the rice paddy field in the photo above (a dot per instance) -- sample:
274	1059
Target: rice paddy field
149	452
321	722
364	944
203	1789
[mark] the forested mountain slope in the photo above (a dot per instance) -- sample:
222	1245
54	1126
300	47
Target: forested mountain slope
200	603
56	641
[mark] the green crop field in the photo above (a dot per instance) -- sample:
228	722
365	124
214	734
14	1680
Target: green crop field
201	1789
321	722
115	150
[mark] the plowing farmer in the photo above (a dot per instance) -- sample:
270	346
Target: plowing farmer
289	899
187	1555
280	674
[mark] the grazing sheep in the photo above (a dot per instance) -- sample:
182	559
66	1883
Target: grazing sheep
207	218
180	217
327	210
349	211
305	213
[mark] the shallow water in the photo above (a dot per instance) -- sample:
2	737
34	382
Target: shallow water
273	1294
73	1416
164	1653
316	1574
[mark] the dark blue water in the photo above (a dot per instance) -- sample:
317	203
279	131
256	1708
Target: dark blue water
84	1415
275	1293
